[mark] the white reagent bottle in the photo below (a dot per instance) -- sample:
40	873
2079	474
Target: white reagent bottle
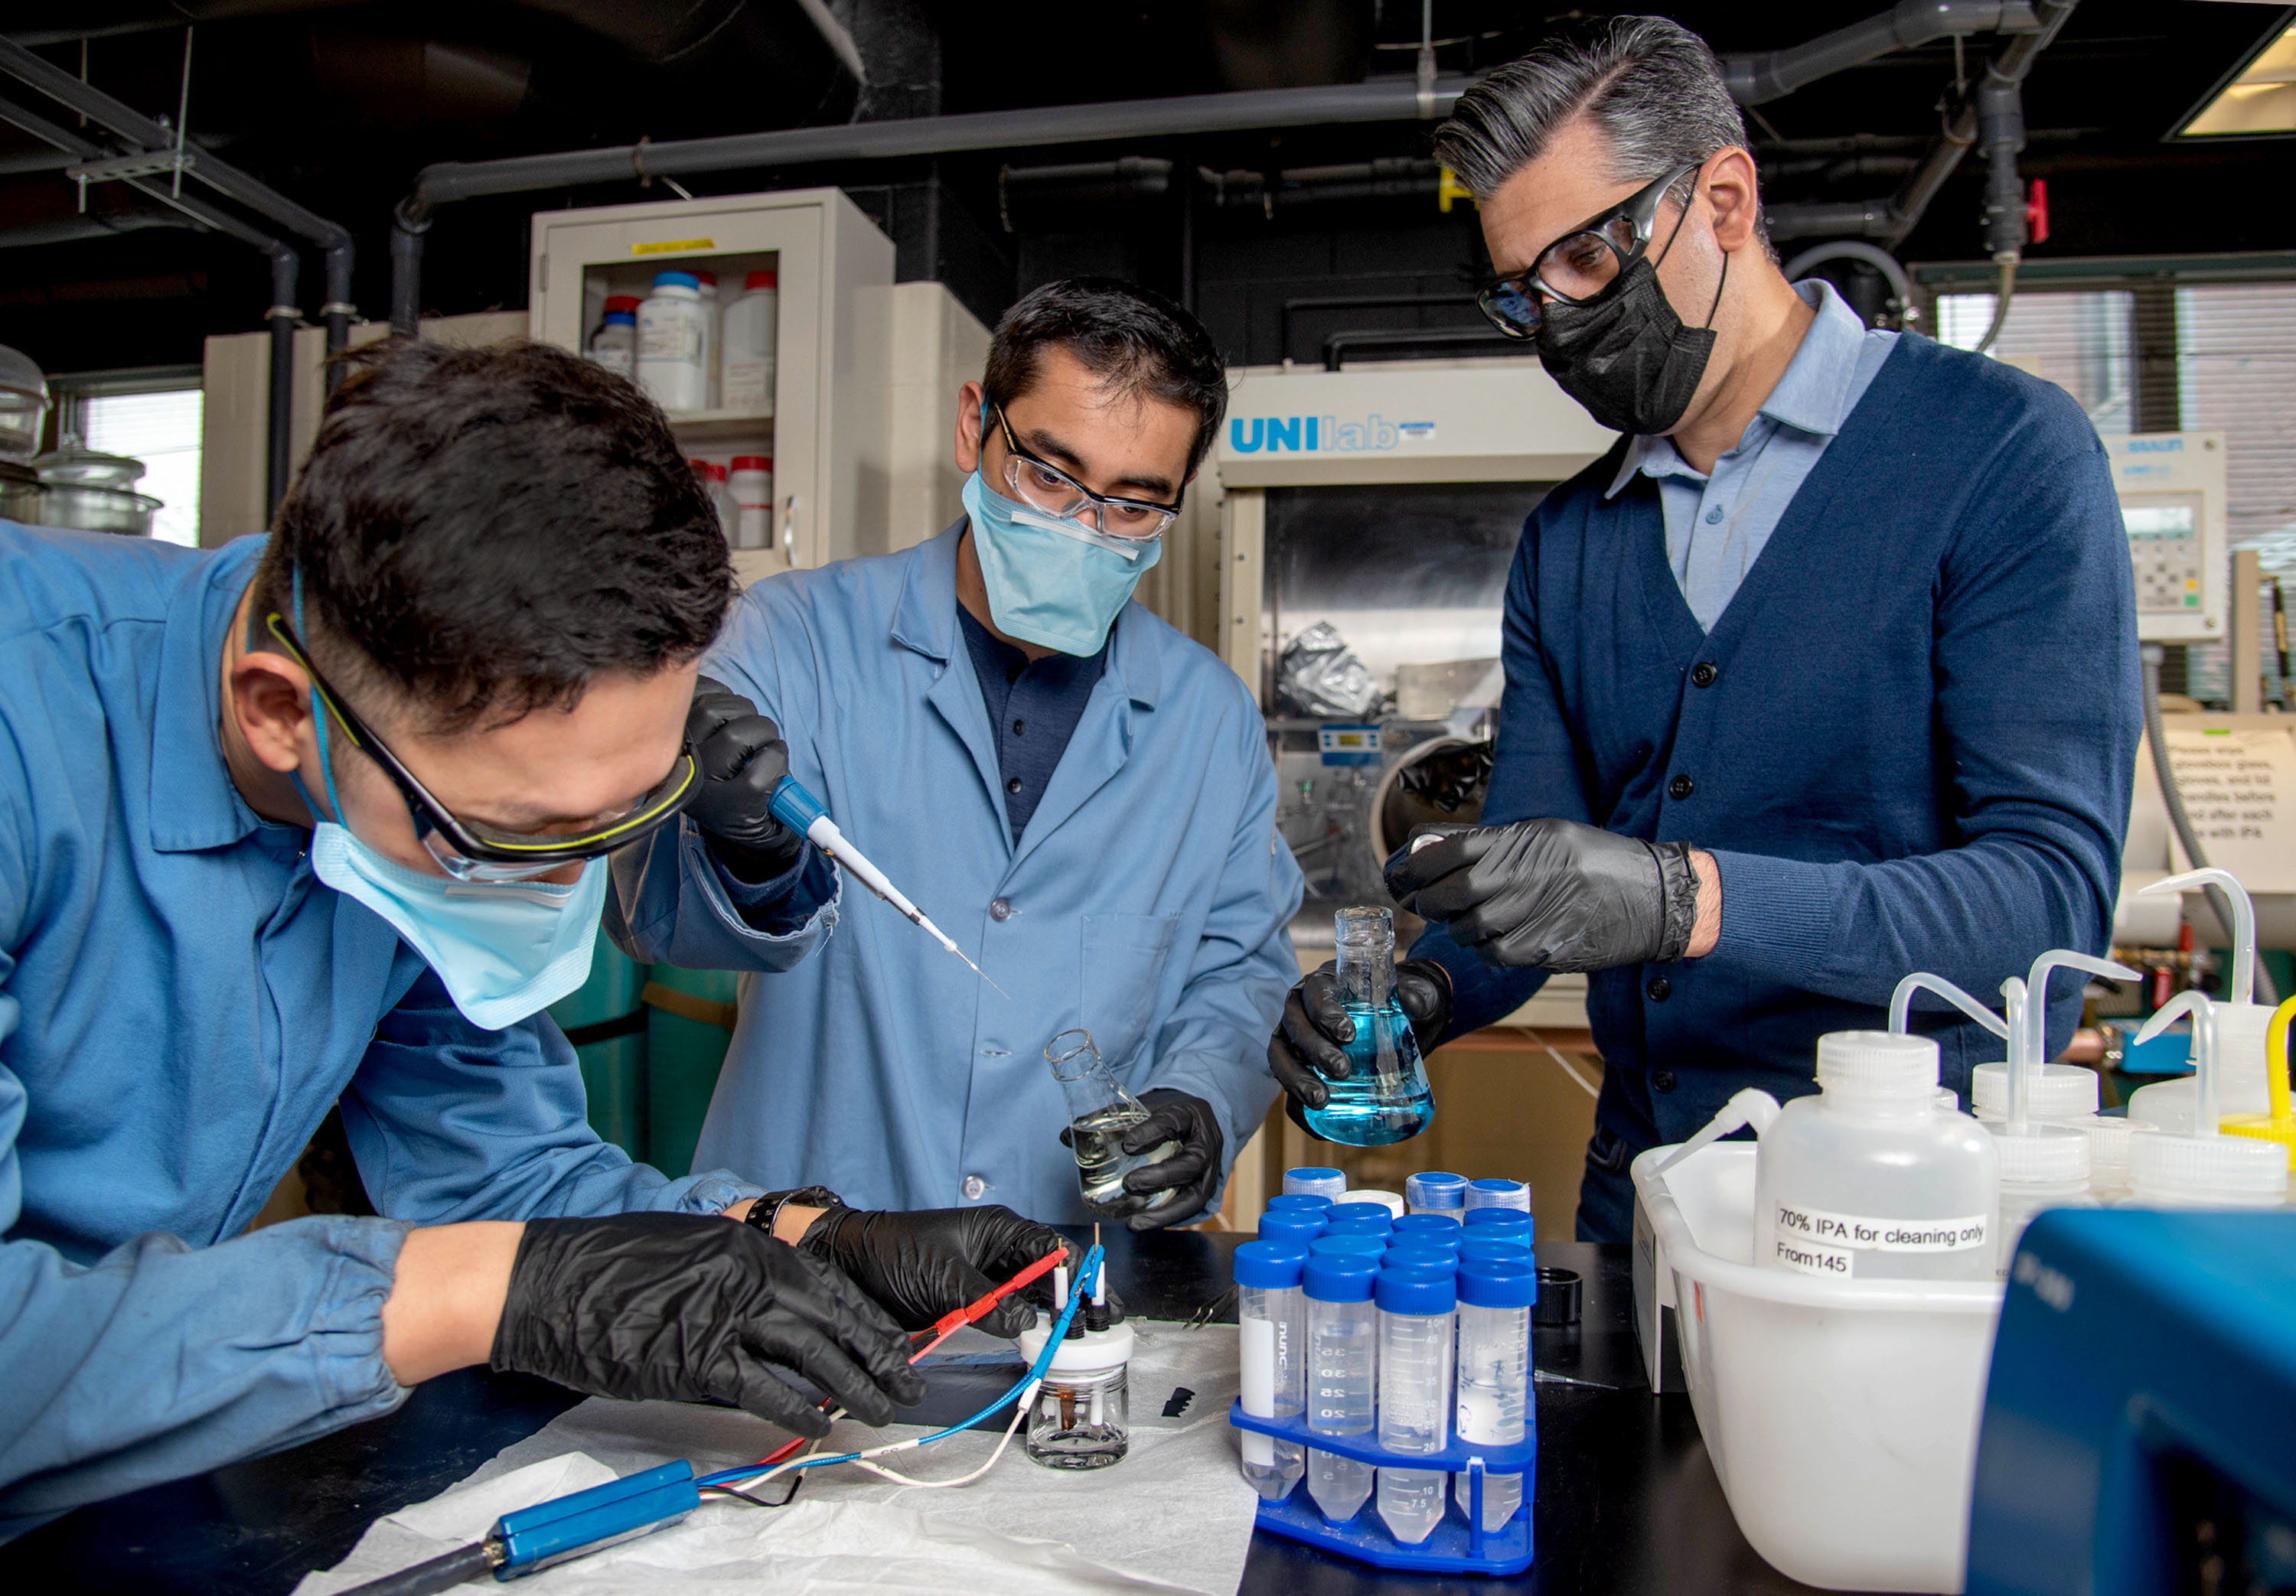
1869	1179
671	341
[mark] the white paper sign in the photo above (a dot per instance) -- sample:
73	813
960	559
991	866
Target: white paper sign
2240	788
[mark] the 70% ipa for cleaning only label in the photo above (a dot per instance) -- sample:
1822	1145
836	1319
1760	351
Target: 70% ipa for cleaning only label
1817	1242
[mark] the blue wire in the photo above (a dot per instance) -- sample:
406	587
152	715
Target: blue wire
1085	1270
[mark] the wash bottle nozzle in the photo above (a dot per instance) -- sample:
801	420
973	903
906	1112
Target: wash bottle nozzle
2029	1022
1901	1003
2242	989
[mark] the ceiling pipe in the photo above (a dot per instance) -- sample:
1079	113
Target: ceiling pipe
281	317
1758	79
141	134
1381	100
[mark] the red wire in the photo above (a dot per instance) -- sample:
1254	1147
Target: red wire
948	1325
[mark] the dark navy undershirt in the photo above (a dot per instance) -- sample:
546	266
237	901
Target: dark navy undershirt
1033	708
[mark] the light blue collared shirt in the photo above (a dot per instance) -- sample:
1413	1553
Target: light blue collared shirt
1716	526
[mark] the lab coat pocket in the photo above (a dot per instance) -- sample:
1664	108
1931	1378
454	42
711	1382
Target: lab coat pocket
1123	974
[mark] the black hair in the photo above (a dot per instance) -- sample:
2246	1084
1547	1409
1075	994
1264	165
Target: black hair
481	531
1138	342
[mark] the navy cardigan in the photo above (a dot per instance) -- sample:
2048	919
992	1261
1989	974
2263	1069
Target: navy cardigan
1908	742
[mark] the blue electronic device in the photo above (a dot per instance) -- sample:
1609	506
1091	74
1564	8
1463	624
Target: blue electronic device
2140	1418
573	1526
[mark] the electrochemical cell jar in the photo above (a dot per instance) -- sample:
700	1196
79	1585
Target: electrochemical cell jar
1869	1179
671	342
615	344
746	363
2046	1168
1082	1417
1386	1098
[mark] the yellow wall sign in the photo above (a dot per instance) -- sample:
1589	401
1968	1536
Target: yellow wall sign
675	246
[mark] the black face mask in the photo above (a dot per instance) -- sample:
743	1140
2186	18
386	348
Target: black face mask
1624	355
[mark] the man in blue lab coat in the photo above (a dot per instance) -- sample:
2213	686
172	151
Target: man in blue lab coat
1827	673
324	818
1080	795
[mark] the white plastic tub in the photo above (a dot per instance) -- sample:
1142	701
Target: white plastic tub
1841	1415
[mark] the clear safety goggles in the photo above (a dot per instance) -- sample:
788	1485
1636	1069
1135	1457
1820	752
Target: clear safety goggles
470	852
1581	264
1044	487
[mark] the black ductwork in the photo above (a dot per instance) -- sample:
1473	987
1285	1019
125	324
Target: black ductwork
1758	79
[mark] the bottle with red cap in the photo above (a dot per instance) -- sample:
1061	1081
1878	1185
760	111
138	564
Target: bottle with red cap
751	480
614	345
750	328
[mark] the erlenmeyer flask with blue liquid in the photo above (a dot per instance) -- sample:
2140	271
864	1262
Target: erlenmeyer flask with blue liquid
1386	1097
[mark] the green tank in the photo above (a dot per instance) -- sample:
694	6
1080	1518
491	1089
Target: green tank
607	1024
689	1026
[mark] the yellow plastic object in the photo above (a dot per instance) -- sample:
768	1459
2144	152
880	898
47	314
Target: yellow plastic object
2280	1124
1448	188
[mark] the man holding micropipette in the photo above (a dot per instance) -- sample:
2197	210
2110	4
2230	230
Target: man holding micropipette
1826	673
1079	796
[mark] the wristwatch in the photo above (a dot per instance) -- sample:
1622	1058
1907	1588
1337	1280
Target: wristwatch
768	1208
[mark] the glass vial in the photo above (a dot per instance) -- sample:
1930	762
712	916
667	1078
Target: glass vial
1387	1098
1082	1416
1100	1113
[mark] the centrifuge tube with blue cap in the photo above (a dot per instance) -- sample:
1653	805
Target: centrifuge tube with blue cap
1495	1295
802	812
1342	1370
1314	1180
1436	1191
1415	1397
1272	1327
1492	1192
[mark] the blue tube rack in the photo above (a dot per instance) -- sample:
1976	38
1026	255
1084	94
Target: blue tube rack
1458	1544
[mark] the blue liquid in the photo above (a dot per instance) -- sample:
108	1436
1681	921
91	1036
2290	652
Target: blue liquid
1387	1099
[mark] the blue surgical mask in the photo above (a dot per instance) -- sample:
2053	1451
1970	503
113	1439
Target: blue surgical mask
503	950
1057	584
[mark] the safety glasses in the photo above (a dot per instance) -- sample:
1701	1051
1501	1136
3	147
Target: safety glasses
475	853
1042	485
1581	264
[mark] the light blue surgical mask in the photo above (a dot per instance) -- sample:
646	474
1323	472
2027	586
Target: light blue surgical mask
1057	584
503	950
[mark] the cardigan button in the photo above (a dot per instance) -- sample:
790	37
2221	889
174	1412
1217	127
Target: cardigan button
1000	909
1681	787
1661	1080
1659	989
1702	675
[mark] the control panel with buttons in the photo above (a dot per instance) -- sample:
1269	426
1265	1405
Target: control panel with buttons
2172	505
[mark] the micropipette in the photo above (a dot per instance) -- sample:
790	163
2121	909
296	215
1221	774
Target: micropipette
802	812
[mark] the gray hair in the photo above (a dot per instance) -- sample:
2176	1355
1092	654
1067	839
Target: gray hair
1650	87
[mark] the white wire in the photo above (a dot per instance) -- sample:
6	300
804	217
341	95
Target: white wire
1576	1080
1020	1410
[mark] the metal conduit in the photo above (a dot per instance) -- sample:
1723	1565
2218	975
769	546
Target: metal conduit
1390	100
1758	79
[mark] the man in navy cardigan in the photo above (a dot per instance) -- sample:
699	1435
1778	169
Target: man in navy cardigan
1825	674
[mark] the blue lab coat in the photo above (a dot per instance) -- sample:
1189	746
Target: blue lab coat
1148	901
180	1002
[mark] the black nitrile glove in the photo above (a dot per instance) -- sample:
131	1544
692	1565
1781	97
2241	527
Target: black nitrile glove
921	1264
1192	1173
1307	1046
693	1308
743	759
1553	894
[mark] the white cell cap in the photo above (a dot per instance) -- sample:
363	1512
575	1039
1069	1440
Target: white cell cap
2059	1091
2045	1154
1095	1352
2242	1172
1877	1064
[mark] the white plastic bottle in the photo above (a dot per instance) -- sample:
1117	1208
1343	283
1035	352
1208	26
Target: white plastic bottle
1495	1302
1271	1317
615	344
671	341
1316	1180
750	328
1342	1377
751	480
1869	1179
2058	1093
705	284
2108	1156
2169	1171
2243	1078
1416	1396
2046	1167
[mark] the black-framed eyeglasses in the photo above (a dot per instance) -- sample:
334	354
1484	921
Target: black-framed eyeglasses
475	853
1042	486
1584	262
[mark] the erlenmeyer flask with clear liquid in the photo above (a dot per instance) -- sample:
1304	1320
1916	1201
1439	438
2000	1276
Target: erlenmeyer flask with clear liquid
1100	1112
1387	1098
